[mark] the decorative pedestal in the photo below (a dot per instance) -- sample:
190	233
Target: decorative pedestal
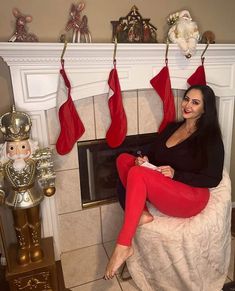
39	276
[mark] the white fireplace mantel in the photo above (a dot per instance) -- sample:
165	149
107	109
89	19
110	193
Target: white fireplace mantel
34	69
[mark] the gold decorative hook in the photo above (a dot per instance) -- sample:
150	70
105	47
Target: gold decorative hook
166	53
115	50
64	49
205	49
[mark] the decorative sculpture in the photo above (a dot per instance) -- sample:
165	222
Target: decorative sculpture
184	32
208	37
78	25
134	28
26	173
21	34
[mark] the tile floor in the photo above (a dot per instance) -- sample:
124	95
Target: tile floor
84	268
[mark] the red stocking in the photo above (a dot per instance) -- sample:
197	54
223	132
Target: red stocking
118	128
71	125
198	77
162	84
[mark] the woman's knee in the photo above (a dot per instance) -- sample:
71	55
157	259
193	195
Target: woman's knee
124	159
146	174
136	171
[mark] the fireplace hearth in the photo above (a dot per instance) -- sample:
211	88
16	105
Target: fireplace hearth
97	168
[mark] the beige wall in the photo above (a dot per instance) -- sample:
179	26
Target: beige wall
50	16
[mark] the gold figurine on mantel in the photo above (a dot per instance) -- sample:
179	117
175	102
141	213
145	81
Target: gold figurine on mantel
133	28
26	175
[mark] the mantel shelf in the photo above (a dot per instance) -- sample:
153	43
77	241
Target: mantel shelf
40	53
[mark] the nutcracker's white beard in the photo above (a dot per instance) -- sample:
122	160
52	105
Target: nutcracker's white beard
19	161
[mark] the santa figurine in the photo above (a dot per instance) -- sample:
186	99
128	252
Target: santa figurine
26	175
184	32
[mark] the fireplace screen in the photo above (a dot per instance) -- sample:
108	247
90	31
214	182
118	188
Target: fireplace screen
98	174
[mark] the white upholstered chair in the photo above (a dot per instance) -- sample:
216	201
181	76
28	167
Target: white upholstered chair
185	254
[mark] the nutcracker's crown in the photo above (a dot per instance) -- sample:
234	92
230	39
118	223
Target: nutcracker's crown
15	125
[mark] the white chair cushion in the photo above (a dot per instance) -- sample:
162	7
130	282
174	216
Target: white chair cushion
185	254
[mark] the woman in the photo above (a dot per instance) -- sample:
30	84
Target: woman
189	155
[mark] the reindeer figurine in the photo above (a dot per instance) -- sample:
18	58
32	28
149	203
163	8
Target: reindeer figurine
85	34
21	34
78	25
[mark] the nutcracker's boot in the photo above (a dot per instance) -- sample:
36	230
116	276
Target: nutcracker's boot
36	253
22	235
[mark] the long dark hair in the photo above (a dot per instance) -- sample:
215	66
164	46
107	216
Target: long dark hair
208	129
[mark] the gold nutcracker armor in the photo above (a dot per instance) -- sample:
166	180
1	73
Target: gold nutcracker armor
26	175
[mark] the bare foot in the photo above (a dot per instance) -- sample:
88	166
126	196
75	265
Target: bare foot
146	217
120	255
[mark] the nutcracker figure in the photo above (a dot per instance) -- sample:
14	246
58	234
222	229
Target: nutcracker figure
26	175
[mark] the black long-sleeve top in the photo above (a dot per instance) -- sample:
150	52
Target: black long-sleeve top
202	169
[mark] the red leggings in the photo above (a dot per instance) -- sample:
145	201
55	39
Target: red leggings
168	196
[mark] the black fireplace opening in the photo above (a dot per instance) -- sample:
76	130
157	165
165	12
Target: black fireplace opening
97	167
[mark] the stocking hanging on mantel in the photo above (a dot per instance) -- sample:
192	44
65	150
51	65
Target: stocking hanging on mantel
162	84
198	77
71	125
118	128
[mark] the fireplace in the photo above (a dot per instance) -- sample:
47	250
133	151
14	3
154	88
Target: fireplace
34	71
98	174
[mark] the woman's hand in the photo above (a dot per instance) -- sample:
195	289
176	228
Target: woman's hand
140	160
167	171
